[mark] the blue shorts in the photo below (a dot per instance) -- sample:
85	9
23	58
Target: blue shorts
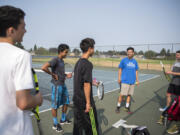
59	96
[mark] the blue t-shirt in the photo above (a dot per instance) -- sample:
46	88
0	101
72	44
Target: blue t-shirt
129	68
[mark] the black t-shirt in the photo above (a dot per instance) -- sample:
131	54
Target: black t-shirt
82	74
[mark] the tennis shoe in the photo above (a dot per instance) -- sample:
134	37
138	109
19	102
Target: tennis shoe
160	121
127	109
57	127
65	122
162	109
117	109
173	130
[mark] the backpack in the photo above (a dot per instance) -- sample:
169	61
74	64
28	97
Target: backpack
174	110
142	130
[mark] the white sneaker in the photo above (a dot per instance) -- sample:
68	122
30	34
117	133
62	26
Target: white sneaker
162	109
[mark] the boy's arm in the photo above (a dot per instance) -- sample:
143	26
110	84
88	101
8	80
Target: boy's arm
137	78
25	101
173	73
119	75
87	91
45	68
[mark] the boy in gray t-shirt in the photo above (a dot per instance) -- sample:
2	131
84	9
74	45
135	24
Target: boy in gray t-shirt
173	89
174	86
60	94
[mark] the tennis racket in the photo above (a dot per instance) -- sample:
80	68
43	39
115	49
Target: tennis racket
100	88
166	75
69	71
36	110
68	68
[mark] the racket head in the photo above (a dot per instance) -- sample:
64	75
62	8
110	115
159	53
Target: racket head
68	68
100	90
162	65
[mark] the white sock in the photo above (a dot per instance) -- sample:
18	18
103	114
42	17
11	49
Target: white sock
118	104
127	105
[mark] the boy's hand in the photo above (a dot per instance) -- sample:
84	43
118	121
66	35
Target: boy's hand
137	83
169	72
88	107
55	76
119	81
69	75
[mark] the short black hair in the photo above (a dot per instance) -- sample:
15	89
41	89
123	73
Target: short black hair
86	44
178	51
9	17
62	47
130	48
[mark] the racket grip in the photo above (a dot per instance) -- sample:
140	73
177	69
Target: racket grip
37	91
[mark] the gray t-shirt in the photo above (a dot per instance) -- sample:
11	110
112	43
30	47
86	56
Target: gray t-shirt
176	78
57	67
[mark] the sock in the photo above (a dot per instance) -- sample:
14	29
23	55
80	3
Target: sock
55	120
127	105
63	116
118	104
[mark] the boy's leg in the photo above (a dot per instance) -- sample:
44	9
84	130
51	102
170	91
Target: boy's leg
130	90
55	104
65	102
168	99
122	93
54	114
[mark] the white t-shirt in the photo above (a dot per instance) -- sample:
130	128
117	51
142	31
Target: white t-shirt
15	75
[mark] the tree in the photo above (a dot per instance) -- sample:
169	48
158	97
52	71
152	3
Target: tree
76	52
150	54
53	50
163	52
97	52
35	48
41	51
141	53
19	45
168	52
123	53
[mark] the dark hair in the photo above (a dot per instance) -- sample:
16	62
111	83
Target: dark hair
62	47
9	17
178	51
86	44
130	48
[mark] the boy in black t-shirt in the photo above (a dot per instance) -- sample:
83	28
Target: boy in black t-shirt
83	95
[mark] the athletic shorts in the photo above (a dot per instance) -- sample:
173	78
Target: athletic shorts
127	89
174	89
59	96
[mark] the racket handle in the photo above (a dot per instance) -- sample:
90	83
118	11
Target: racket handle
37	91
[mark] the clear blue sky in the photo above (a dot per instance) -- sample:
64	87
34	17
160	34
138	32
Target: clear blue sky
109	22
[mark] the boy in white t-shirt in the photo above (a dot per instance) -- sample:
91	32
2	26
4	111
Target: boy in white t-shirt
15	76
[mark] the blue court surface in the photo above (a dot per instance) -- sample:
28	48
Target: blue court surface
108	77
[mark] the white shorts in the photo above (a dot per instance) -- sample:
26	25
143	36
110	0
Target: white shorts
127	89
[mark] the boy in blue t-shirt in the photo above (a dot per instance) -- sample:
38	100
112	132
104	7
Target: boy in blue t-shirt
127	77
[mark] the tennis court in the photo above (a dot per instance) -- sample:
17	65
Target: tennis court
148	97
107	76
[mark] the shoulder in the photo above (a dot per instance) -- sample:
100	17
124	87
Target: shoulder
85	63
135	60
124	59
20	53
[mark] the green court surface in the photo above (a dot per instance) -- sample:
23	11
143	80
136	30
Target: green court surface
149	96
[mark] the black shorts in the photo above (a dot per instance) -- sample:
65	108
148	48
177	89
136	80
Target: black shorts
82	121
174	89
